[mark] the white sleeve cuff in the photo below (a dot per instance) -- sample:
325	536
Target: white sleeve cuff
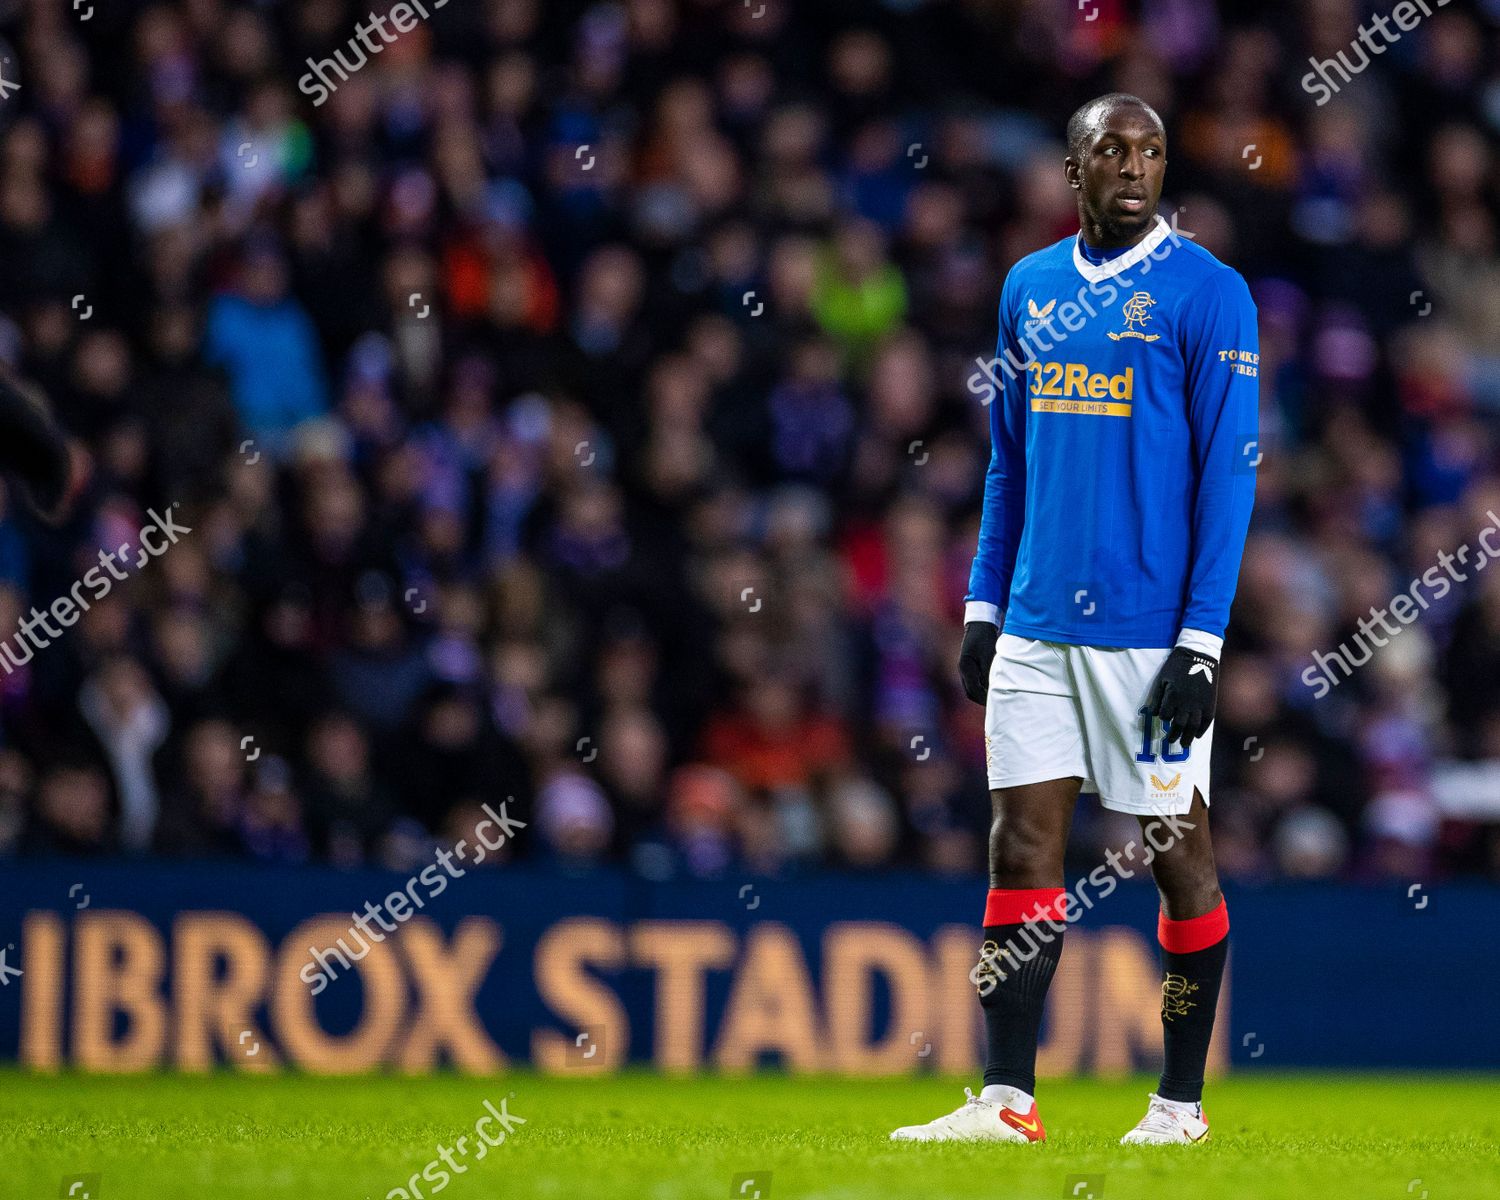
980	610
1204	643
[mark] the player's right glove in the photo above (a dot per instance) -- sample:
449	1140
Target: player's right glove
1185	694
975	658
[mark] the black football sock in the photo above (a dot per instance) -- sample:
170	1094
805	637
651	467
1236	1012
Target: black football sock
1192	958
1023	935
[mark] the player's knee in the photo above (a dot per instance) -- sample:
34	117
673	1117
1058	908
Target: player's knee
1022	856
1188	891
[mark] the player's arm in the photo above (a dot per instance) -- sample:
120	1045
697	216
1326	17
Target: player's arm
1004	510
1221	354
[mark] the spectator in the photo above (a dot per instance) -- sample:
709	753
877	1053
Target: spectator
130	722
72	814
201	818
266	343
651	473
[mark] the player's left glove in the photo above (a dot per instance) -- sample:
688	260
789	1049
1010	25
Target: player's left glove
1185	694
976	658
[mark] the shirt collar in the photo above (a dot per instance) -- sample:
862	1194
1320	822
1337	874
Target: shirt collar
1095	272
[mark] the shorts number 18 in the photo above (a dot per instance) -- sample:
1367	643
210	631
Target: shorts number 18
1149	743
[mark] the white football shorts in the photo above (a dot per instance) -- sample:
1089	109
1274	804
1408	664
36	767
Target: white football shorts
1057	710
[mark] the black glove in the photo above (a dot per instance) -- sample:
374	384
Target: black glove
1185	695
975	658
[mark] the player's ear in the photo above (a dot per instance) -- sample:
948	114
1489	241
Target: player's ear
1073	172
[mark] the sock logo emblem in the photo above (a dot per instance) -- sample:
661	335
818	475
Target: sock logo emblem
1175	990
986	975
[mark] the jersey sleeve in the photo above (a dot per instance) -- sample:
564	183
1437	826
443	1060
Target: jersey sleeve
1004	502
1221	354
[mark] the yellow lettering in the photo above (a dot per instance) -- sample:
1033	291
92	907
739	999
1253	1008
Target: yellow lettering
852	953
953	1000
446	980
567	988
118	964
680	952
213	1010
770	1005
1098	408
42	991
295	1016
1127	985
1068	1016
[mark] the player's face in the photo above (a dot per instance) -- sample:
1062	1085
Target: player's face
1119	178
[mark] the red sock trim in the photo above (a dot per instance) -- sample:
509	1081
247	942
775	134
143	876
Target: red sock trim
1196	933
1016	906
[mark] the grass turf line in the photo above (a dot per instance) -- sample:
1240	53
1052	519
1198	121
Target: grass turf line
638	1135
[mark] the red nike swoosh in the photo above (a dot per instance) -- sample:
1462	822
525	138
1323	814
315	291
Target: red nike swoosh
1032	1128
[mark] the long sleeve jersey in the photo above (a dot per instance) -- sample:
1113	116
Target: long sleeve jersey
1124	444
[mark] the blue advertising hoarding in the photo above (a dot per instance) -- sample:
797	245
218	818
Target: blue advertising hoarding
134	967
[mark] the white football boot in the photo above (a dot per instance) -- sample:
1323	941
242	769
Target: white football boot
1169	1123
977	1120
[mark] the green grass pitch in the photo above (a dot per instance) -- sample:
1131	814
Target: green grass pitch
1299	1137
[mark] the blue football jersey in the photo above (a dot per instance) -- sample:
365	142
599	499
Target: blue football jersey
1124	445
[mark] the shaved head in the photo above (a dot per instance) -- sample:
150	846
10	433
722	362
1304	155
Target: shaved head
1085	124
1117	161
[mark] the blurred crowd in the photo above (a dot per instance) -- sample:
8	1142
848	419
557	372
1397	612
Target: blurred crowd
575	407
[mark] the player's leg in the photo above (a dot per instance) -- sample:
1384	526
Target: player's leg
1193	930
1166	788
1024	925
1034	752
1023	935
